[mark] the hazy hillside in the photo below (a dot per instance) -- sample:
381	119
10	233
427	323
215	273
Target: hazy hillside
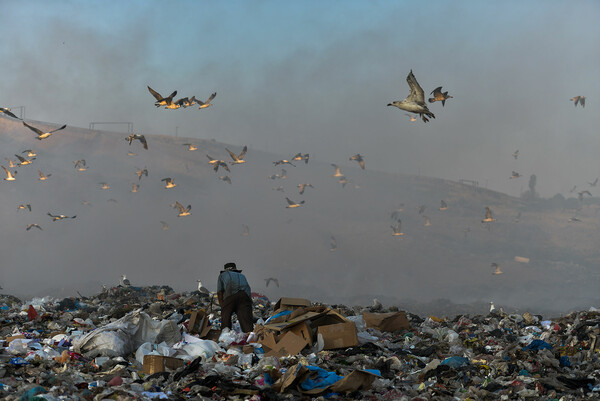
120	232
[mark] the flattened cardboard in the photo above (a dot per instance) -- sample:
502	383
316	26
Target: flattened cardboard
291	303
391	321
10	338
296	372
288	344
340	335
158	363
355	380
288	324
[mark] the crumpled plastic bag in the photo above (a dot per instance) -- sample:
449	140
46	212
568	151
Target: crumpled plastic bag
123	336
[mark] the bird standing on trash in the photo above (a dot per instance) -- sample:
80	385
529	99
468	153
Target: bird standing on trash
234	294
125	281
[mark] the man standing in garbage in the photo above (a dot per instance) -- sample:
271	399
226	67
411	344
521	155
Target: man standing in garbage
234	295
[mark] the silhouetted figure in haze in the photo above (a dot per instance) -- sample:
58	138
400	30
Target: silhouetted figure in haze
234	295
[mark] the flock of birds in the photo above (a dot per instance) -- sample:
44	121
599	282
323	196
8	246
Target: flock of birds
414	103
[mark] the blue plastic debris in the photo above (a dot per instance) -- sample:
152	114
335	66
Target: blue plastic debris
537	345
456	362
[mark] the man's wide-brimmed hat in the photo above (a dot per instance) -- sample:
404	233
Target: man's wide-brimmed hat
231	267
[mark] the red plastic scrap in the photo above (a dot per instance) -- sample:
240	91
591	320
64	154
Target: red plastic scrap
31	313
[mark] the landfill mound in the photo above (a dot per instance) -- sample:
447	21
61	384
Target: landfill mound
153	343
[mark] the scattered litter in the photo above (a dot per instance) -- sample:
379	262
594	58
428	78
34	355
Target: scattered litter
124	344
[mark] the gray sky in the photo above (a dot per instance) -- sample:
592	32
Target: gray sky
315	76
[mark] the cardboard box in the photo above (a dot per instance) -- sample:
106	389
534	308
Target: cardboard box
198	323
291	303
304	331
339	335
159	363
391	321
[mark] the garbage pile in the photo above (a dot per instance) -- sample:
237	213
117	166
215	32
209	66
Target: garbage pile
142	343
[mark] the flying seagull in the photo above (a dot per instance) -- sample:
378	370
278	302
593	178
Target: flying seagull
43	177
397	229
516	154
284	161
190	146
415	101
515	175
80	165
134	187
9	176
438	95
444	205
302	187
104	185
332	244
246	230
593	184
8	112
578	100
23	207
139	137
282	176
141	172
292	204
56	217
338	170
11	164
169	183
497	270
23	161
41	134
165	226
359	159
173	105
221	163
581	193
271	279
488	216
206	104
225	178
427	221
299	157
30	226
30	153
412	118
238	159
183	211
160	100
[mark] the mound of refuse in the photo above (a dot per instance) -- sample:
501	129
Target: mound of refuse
143	343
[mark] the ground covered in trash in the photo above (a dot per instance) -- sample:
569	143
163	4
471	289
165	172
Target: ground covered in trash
142	343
